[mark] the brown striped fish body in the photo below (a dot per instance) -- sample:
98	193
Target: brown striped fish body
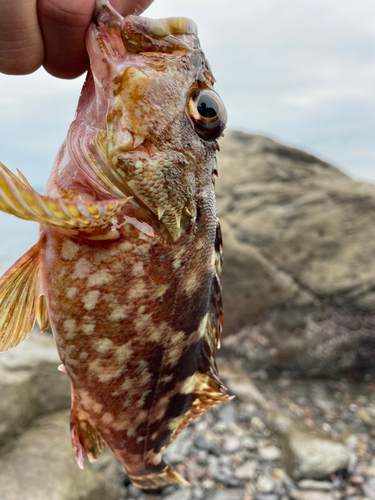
127	268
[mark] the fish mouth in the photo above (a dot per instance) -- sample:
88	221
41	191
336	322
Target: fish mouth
142	34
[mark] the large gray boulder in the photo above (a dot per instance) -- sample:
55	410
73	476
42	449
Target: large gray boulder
39	465
30	384
299	257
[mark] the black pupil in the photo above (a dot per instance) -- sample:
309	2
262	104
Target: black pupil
207	106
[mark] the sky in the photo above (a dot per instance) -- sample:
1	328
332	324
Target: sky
302	72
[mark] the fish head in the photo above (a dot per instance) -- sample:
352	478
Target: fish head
160	117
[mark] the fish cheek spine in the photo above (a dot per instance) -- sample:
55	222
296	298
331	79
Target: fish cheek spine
127	270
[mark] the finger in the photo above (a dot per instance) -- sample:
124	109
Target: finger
21	43
64	24
127	7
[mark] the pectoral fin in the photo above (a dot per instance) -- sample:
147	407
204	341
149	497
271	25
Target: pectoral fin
42	314
19	296
19	199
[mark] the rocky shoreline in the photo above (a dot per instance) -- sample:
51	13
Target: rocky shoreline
298	351
278	439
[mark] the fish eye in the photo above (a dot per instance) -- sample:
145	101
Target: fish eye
207	114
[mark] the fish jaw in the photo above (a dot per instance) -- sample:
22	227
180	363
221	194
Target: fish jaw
135	100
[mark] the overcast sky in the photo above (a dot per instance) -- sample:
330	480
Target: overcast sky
302	72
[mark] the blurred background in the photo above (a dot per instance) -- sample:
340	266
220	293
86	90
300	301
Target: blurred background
296	198
301	72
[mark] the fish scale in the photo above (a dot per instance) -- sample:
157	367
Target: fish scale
127	269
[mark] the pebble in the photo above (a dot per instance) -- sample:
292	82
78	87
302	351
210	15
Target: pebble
226	494
310	484
310	495
228	413
249	443
265	484
134	492
202	443
246	471
269	452
231	444
180	494
368	471
272	496
369	488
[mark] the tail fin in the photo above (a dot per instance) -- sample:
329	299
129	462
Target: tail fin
164	478
19	297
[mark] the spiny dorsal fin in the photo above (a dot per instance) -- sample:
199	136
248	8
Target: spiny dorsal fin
17	198
19	296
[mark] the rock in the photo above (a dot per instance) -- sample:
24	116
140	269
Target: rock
246	471
269	452
43	455
226	494
265	484
180	494
269	496
367	415
299	250
306	454
310	495
240	384
202	443
369	488
228	413
310	484
30	384
231	444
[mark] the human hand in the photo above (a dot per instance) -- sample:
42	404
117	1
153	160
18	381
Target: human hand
50	33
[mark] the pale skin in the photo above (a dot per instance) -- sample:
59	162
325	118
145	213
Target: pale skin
50	33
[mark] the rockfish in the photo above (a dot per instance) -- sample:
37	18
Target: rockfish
127	267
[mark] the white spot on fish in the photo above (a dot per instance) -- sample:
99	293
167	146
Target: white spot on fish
119	312
90	299
105	371
88	329
107	418
103	345
82	269
137	291
126	246
143	321
71	292
70	328
99	278
138	270
69	250
142	249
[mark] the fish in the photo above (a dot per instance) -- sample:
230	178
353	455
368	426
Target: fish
127	267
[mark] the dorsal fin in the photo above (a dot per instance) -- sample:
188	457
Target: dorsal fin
17	198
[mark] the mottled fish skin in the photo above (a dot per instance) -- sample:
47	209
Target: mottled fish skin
135	303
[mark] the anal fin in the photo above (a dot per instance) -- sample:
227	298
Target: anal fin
19	295
85	439
19	199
